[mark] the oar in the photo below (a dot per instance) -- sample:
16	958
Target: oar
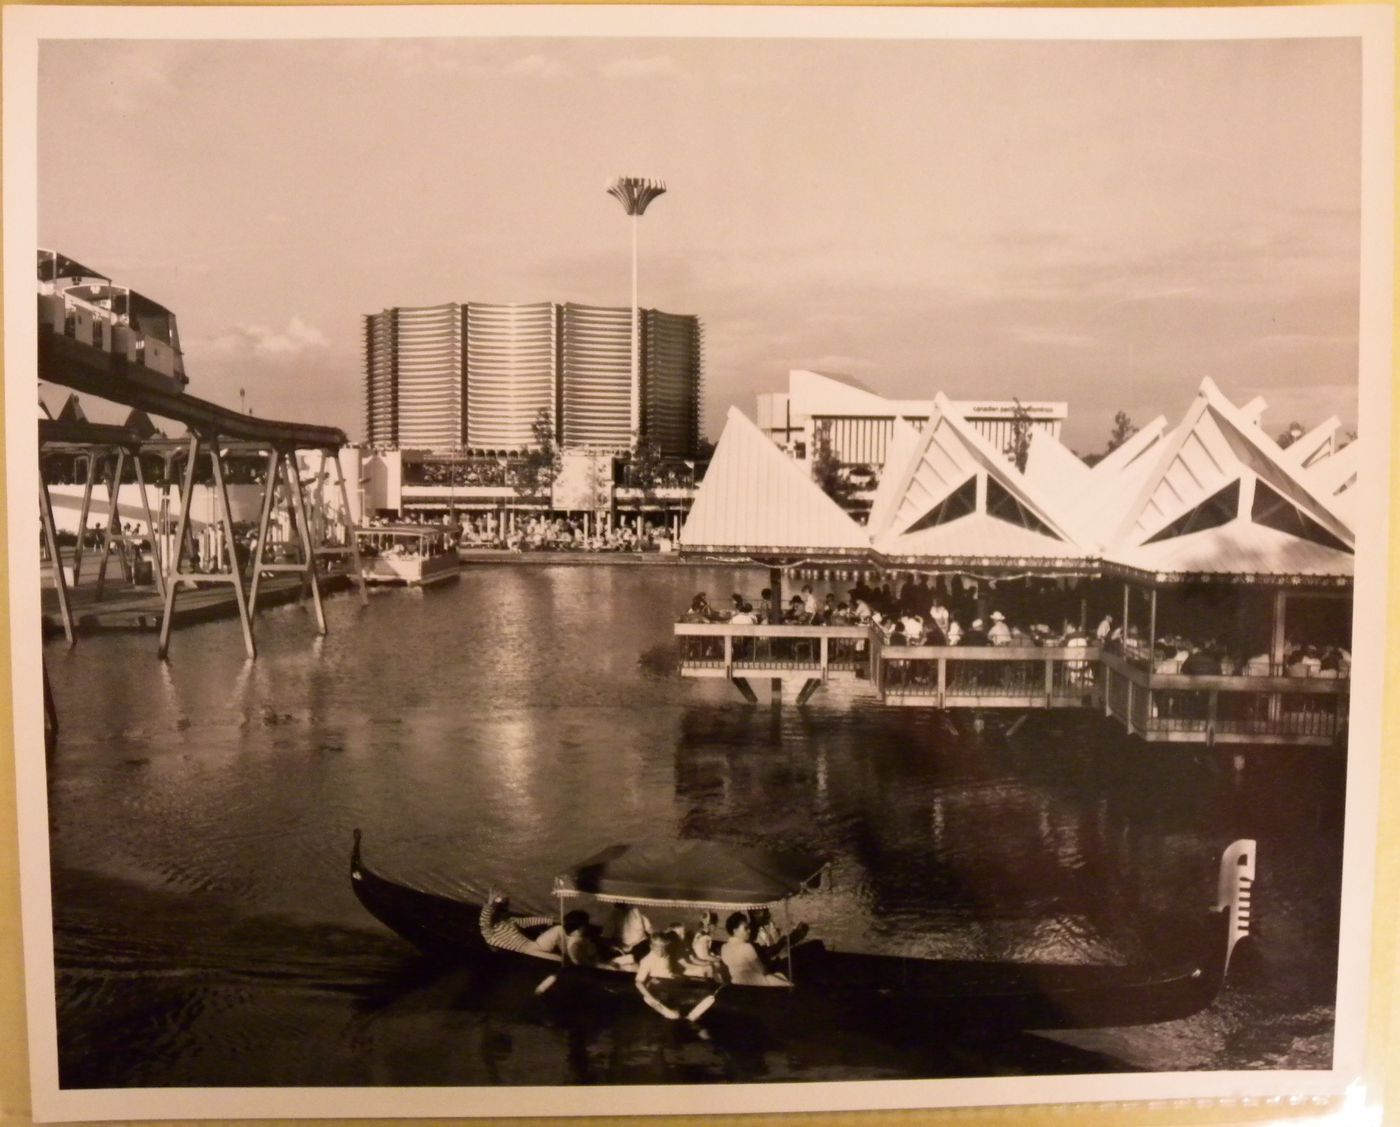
702	1007
546	984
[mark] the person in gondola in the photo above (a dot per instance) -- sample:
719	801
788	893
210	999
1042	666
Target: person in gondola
661	964
742	962
634	931
580	950
702	954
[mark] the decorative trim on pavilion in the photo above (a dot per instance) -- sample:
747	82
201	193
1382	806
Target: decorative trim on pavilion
754	494
1318	445
903	441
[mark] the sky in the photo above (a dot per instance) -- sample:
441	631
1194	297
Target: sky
1095	222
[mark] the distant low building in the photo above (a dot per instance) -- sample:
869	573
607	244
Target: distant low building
858	424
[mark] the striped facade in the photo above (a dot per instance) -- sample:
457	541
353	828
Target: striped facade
596	378
478	375
671	374
512	358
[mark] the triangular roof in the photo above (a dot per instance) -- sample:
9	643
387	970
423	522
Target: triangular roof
140	423
980	537
1331	475
900	448
44	411
1055	470
754	498
1131	450
1315	446
950	453
1211	449
1238	548
72	410
1253	411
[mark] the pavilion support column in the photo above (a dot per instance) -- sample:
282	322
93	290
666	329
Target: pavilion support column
235	571
83	514
308	547
351	533
114	489
65	611
274	460
1278	654
173	579
50	712
1123	631
775	603
151	525
1152	628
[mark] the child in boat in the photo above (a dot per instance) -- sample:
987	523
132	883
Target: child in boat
660	964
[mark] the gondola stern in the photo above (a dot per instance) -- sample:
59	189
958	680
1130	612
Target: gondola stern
1234	895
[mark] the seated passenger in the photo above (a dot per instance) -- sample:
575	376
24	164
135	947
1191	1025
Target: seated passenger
976	635
580	948
702	954
744	616
740	957
661	963
1000	633
634	930
699	609
955	632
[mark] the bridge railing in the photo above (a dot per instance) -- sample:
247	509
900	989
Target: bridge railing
989	676
722	649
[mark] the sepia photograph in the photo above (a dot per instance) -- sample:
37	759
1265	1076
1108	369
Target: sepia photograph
775	559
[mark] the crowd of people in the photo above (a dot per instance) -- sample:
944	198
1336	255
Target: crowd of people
918	615
556	534
745	949
973	615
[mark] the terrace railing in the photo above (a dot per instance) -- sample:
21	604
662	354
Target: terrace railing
722	649
1288	704
989	676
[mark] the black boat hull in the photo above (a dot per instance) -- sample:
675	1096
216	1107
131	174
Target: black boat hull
839	988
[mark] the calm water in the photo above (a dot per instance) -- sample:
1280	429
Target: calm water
498	728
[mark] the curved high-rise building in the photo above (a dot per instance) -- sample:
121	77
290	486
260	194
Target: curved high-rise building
597	376
512	358
478	375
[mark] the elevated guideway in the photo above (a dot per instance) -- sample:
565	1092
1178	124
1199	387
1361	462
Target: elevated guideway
216	434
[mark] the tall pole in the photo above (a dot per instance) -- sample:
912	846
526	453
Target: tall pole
634	193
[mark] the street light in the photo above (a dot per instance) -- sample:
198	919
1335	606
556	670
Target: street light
634	193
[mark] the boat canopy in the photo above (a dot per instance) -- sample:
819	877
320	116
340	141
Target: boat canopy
691	874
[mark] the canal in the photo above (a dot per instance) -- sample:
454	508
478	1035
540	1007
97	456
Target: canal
491	731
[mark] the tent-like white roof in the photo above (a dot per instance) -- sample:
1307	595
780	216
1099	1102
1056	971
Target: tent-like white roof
1331	475
1136	447
1214	500
1315	446
755	499
815	393
1240	548
952	462
903	439
1056	472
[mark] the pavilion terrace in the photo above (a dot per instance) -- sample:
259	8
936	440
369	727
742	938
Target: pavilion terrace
1223	560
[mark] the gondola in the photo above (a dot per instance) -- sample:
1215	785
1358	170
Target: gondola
823	985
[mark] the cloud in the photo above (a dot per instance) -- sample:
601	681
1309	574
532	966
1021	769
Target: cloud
647	66
296	339
537	66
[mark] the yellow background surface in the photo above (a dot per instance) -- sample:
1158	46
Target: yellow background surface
1382	1063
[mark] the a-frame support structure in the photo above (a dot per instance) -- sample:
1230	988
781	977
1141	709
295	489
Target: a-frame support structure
282	476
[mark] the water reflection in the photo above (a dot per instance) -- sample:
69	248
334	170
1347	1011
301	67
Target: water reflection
494	731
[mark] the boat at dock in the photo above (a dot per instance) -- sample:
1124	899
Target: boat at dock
818	984
409	555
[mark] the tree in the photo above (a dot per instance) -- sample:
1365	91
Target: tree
1018	449
645	465
543	460
1291	435
826	467
1123	429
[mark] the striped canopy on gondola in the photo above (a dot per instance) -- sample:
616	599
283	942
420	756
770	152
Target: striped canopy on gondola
691	874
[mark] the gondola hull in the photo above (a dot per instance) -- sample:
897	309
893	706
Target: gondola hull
837	988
